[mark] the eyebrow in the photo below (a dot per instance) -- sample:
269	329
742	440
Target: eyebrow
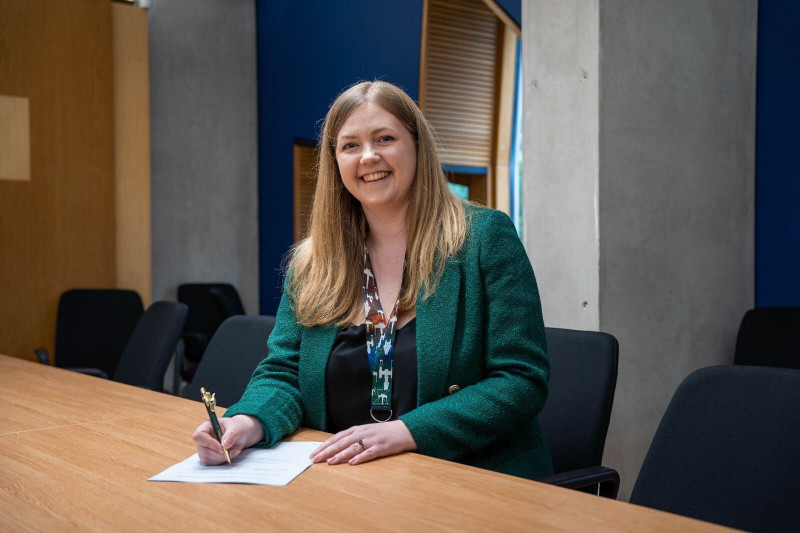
373	132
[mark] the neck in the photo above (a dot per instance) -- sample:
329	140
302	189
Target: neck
387	230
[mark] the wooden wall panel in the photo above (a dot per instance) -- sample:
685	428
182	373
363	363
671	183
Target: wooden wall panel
15	142
56	230
132	148
305	182
504	116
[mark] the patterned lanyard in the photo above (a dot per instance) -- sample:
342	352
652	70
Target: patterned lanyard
380	344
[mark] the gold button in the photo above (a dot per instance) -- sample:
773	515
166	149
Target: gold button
453	389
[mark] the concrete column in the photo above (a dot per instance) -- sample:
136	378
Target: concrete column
674	132
204	145
561	85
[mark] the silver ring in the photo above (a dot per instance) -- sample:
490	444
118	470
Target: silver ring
361	443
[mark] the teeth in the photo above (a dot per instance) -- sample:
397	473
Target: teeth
375	176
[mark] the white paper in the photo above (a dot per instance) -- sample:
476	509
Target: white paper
275	466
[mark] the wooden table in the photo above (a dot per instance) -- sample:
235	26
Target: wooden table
76	452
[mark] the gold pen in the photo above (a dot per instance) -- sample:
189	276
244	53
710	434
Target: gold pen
210	401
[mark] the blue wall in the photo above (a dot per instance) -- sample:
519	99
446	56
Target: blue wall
777	162
307	53
513	8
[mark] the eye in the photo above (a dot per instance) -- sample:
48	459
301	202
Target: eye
386	138
347	146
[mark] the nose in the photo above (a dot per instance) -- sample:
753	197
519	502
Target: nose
369	155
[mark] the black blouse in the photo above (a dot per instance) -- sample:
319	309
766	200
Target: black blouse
348	379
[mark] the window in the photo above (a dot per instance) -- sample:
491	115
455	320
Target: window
467	92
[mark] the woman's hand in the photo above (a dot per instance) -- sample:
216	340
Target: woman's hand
238	432
379	440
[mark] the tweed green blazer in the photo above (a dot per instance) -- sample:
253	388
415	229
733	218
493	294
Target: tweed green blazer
482	368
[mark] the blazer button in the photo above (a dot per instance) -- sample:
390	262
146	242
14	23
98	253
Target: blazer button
453	389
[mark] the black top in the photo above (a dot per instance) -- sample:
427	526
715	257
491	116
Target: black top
348	379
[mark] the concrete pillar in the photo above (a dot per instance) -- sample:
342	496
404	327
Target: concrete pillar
560	156
204	145
638	187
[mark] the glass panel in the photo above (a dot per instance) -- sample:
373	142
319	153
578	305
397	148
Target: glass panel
515	165
462	191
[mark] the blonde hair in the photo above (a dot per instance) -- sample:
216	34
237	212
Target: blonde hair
326	268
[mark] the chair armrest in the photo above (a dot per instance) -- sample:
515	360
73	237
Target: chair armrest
606	478
96	372
42	356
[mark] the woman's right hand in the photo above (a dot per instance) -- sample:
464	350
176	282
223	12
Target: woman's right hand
238	432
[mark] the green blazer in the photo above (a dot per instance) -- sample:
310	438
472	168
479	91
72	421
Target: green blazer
482	366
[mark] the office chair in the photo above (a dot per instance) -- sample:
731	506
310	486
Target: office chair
92	328
769	336
574	420
150	348
726	450
235	350
209	305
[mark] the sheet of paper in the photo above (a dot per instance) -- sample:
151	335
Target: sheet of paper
275	466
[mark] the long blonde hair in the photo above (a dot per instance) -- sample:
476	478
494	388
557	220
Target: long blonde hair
326	268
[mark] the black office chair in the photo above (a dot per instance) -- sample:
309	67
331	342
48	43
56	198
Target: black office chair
92	328
210	304
235	350
726	450
769	336
150	348
574	420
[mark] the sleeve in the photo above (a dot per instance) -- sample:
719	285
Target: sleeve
273	394
514	387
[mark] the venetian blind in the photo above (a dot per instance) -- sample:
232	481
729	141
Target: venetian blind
457	93
304	184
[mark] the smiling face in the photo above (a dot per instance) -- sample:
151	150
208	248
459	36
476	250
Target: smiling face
377	158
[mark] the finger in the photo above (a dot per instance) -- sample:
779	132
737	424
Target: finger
207	441
203	428
231	434
338	447
332	440
210	457
332	445
346	454
368	454
204	436
214	455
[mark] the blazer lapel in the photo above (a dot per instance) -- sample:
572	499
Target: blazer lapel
436	321
314	352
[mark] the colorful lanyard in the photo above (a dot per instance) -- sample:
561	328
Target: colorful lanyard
380	344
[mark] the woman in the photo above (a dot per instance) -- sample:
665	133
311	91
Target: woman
409	320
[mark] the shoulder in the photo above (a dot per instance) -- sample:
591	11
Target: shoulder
482	220
485	226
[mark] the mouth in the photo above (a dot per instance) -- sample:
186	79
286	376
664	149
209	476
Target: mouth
375	176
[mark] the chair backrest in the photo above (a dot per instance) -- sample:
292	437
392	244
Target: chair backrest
769	336
151	345
93	326
726	450
583	378
209	305
233	353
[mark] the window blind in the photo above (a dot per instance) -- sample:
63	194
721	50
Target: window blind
457	93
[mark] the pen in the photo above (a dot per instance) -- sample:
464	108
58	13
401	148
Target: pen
210	401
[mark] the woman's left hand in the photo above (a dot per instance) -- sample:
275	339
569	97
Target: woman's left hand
360	444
